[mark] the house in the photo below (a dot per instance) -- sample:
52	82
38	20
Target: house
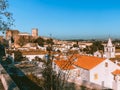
30	45
31	54
97	54
65	70
116	82
90	69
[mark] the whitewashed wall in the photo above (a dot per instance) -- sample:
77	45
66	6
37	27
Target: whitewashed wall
104	73
84	74
30	57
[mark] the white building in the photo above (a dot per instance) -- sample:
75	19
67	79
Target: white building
116	82
24	34
91	69
97	54
66	71
31	57
30	46
109	50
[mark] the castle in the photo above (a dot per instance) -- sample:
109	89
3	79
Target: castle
14	35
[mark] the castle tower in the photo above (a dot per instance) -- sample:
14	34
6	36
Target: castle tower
109	50
35	32
11	33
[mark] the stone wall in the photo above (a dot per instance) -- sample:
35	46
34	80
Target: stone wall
6	80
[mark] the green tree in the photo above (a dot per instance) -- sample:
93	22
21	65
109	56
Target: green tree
40	41
49	48
50	41
2	51
31	40
6	19
18	56
38	59
97	45
4	43
86	50
75	45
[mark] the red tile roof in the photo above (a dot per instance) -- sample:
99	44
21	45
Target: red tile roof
64	64
116	72
88	62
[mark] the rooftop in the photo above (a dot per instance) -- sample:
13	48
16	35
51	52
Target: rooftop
24	33
88	62
116	72
64	64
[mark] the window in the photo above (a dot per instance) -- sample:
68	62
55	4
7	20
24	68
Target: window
106	64
95	76
107	49
78	73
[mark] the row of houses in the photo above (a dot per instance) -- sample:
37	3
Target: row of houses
99	71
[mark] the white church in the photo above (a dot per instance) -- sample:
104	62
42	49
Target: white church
97	70
109	50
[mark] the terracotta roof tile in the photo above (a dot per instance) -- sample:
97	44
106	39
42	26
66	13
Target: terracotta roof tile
88	62
116	72
64	64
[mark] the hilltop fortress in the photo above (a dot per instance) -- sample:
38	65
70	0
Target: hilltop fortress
14	35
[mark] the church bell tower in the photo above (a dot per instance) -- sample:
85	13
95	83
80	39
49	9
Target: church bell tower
109	50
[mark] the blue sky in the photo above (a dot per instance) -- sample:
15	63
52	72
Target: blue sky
68	18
